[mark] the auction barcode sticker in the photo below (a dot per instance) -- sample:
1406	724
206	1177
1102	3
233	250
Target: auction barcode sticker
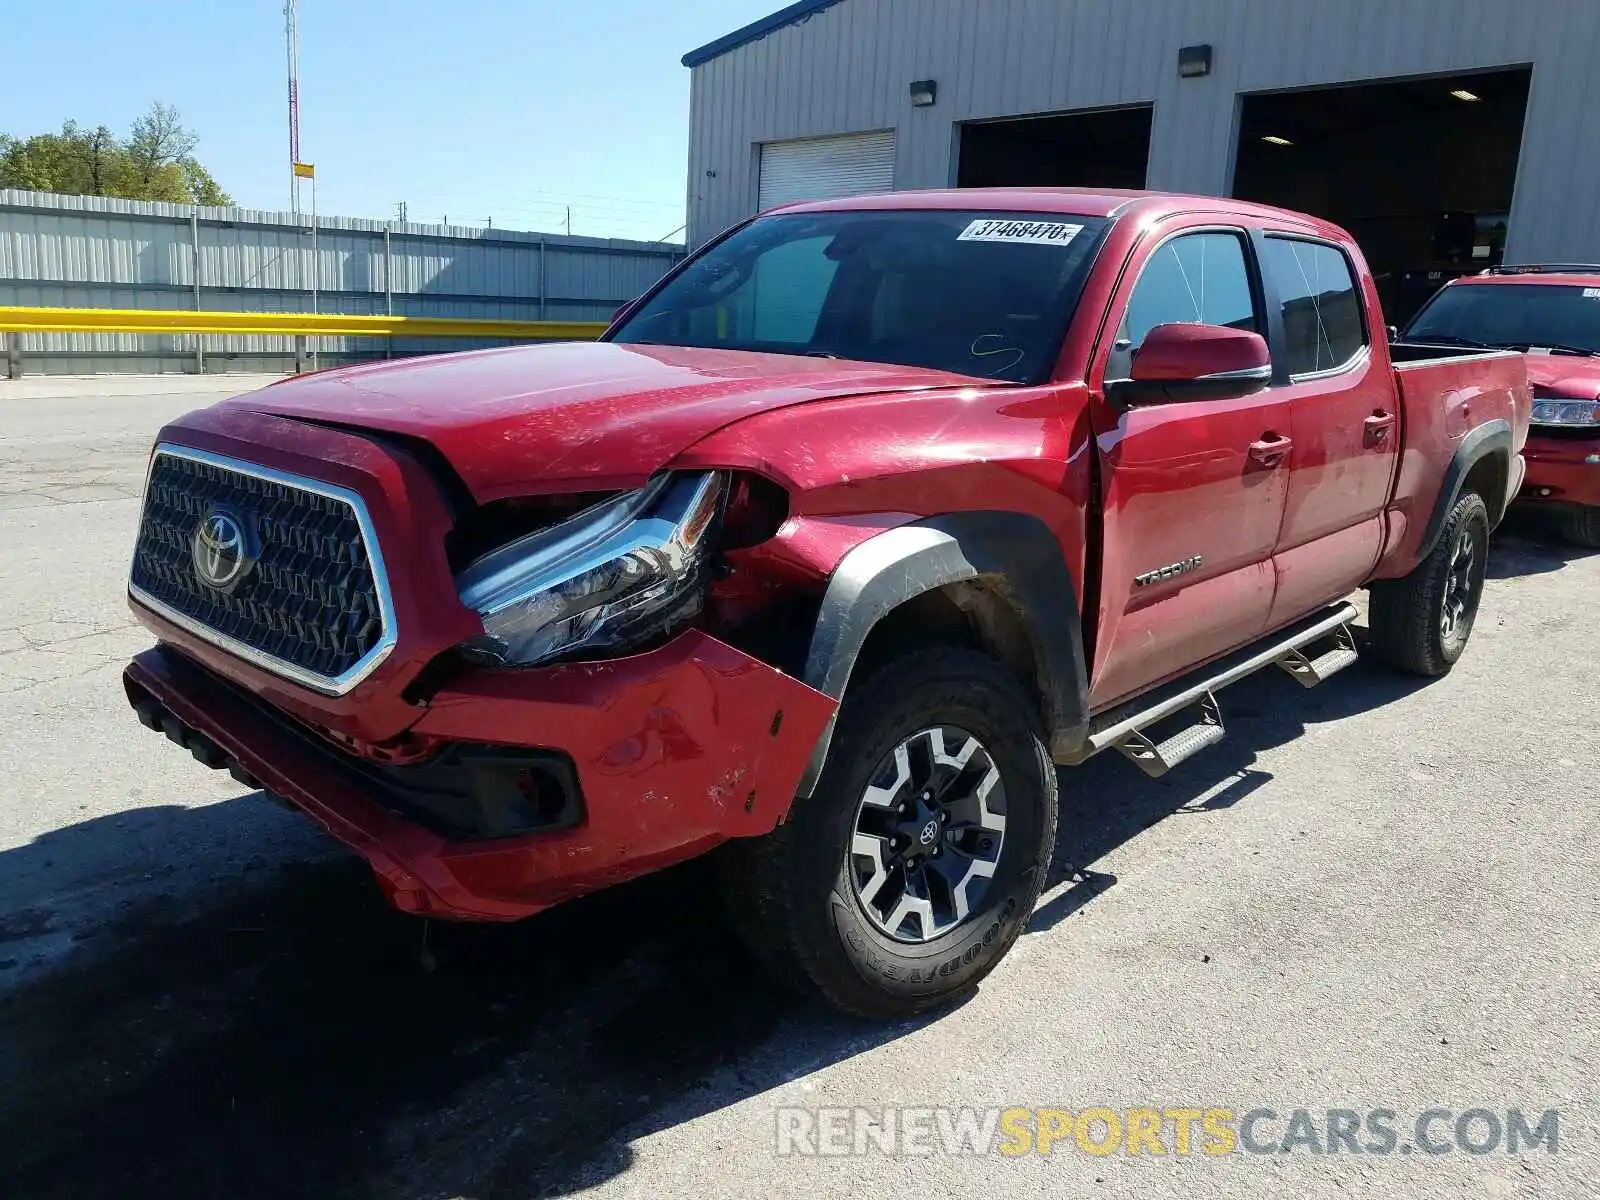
1021	233
1591	293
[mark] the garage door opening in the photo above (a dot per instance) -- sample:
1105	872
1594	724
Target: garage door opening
1107	149
1421	171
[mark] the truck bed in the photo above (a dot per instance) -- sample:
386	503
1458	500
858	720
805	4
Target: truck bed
1448	393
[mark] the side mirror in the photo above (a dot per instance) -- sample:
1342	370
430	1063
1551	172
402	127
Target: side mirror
1195	362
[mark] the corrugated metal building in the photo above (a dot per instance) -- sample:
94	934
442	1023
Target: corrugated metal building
91	252
1247	97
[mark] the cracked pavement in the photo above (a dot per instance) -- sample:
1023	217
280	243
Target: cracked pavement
1375	893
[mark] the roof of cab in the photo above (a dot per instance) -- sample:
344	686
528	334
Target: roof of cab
1078	202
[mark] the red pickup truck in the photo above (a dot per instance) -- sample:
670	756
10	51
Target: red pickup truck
841	540
1552	312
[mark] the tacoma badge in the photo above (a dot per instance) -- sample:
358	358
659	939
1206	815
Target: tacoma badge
1172	572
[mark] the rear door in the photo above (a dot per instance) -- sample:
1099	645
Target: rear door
1193	492
1344	419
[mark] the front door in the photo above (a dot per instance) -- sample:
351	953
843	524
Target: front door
1193	492
1344	418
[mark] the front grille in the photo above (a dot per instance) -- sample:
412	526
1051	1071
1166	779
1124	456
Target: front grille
306	597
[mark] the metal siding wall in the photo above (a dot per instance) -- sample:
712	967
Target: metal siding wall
846	70
89	252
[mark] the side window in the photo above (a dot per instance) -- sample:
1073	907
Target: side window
1198	278
1322	311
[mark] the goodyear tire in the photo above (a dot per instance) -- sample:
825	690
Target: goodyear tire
1420	624
913	868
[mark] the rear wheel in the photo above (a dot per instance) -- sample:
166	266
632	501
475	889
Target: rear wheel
1581	527
914	866
1421	623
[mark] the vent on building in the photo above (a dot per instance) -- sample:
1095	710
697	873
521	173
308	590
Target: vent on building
826	168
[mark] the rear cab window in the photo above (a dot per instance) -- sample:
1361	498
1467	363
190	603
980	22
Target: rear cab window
1324	318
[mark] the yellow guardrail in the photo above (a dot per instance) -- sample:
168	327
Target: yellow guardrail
142	320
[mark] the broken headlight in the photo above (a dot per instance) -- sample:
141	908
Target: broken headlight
607	580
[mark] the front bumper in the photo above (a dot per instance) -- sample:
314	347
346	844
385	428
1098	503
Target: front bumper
1562	471
673	752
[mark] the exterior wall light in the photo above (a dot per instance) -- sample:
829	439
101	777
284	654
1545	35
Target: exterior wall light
924	93
1194	61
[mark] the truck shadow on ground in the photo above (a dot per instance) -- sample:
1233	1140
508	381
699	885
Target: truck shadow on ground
1528	543
1108	801
293	1041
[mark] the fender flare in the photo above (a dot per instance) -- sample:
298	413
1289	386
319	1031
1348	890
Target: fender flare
1490	438
899	564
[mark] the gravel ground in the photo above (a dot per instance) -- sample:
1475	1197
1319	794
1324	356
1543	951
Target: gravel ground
1376	894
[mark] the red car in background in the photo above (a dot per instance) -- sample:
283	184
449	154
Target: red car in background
1552	312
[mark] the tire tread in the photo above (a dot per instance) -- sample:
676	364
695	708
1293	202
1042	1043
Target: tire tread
1581	527
1402	619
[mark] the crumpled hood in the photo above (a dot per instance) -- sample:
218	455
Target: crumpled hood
573	416
1564	375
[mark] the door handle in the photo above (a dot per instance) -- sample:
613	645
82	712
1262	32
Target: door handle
1378	426
1271	450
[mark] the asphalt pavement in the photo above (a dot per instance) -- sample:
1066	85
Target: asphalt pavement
1379	894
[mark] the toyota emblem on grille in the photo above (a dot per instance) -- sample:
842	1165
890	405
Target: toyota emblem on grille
221	555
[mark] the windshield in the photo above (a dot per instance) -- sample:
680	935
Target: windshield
1515	315
978	293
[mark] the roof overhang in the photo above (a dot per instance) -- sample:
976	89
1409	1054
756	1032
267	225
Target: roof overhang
757	30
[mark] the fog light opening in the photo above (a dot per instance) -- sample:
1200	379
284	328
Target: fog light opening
546	796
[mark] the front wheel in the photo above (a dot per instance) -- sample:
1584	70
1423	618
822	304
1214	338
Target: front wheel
913	868
1581	527
1421	623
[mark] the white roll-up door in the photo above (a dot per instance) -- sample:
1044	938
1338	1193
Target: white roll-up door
826	168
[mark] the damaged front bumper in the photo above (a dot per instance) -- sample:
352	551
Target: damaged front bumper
538	786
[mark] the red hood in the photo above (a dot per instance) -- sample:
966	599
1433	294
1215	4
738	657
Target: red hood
1564	375
573	416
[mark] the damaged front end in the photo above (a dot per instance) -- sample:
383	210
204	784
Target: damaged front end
540	785
556	714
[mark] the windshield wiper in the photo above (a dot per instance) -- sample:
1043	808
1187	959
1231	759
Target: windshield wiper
1448	339
1557	348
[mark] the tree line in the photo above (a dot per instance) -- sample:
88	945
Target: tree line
155	161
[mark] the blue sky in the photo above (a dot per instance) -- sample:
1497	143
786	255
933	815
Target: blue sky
475	109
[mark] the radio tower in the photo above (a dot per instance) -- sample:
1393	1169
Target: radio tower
291	32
